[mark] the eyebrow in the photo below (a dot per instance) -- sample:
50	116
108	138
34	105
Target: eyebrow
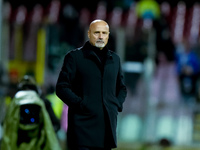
102	31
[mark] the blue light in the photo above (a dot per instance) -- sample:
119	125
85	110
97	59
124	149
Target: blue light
27	111
32	120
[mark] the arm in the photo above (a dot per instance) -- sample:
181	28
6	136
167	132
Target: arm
64	83
121	89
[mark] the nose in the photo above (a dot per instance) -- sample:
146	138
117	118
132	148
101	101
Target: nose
100	35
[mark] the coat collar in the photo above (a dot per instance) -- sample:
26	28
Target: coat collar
88	51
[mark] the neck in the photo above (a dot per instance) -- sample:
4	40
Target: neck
100	48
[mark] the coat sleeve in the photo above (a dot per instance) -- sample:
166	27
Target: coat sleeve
120	88
65	79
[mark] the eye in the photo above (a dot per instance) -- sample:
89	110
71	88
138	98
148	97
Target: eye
105	33
96	33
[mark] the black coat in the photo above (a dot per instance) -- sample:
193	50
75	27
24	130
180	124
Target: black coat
93	93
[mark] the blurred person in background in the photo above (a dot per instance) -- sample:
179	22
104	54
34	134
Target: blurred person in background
27	125
165	48
91	84
165	85
29	83
188	69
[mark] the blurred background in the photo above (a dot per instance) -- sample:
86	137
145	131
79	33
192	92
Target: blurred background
159	46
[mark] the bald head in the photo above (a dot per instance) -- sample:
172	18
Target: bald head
98	33
97	22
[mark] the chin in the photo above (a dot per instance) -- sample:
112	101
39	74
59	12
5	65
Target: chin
100	46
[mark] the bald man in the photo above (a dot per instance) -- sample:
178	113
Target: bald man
98	33
91	84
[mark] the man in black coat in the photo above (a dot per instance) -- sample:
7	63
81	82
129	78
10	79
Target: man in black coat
91	84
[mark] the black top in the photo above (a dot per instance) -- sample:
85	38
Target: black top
102	54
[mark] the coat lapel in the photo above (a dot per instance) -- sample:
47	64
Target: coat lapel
109	59
90	54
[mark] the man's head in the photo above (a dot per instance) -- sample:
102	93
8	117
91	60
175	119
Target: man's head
98	33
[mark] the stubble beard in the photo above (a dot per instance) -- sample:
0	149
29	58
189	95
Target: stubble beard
100	44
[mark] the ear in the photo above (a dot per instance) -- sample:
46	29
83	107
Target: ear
88	34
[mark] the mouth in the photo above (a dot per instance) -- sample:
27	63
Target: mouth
100	42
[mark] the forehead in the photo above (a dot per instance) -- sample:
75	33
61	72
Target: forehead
99	26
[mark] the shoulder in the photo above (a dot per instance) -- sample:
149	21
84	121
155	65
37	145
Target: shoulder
72	53
114	54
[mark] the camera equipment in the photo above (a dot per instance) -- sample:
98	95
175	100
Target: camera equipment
29	114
